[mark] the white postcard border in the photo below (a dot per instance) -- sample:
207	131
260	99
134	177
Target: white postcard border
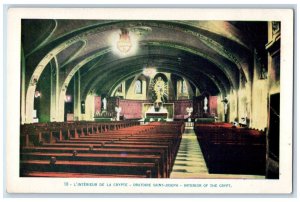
16	184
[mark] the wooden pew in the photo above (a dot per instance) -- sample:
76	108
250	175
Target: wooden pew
166	150
33	134
98	157
89	167
81	175
109	151
232	150
155	144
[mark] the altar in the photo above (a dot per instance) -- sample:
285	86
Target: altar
166	111
156	115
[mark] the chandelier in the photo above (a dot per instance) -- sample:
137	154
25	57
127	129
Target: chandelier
124	44
149	71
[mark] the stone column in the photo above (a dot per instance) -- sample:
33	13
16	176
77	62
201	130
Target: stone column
23	88
77	102
54	90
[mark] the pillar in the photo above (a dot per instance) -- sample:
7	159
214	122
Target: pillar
77	101
54	82
23	88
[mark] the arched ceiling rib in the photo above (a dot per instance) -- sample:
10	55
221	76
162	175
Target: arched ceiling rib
107	79
210	29
36	33
159	55
172	27
188	61
164	62
203	82
198	44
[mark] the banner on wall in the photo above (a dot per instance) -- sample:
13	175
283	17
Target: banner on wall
97	105
213	105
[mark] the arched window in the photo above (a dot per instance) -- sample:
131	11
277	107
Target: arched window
138	87
183	87
120	88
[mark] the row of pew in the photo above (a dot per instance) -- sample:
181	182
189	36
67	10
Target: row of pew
137	151
34	134
231	150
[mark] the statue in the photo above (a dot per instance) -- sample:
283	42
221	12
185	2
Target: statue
104	103
159	88
189	111
225	107
118	110
244	121
205	104
226	102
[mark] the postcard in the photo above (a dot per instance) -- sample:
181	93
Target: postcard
142	100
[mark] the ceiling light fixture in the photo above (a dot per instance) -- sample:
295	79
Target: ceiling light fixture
124	43
149	71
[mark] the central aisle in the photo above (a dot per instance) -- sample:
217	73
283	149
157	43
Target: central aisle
189	162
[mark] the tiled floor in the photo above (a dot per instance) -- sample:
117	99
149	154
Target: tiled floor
189	162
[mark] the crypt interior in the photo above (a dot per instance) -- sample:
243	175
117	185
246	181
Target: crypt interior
150	98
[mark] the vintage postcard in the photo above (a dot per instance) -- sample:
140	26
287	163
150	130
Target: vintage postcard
149	100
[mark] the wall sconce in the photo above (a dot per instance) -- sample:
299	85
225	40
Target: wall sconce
225	100
68	98
37	94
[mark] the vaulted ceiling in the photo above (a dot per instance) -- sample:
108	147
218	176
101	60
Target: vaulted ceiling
213	55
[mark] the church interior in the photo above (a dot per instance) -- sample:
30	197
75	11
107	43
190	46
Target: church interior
149	99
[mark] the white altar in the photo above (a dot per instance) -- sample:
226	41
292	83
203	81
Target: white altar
165	111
